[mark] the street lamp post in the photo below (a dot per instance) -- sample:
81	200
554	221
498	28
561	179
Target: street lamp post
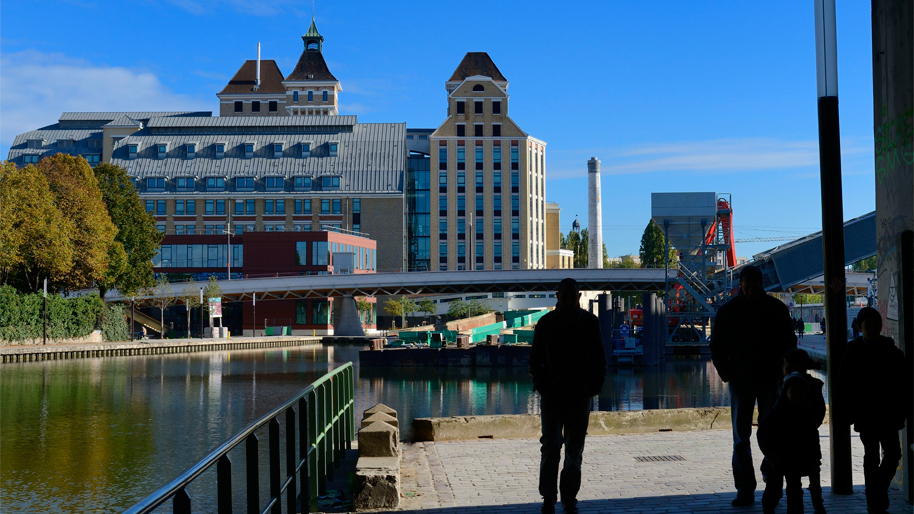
832	236
201	312
45	337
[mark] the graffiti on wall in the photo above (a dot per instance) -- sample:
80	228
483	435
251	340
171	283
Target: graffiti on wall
894	143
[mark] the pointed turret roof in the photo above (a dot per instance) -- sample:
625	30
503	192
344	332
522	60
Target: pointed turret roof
311	65
312	32
477	63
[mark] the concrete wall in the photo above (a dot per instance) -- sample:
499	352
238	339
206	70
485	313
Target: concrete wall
382	219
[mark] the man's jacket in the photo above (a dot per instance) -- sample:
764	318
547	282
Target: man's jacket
874	385
567	360
749	339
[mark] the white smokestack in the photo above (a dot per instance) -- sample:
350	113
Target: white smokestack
257	84
595	217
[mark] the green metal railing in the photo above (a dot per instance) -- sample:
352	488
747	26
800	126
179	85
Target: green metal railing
324	417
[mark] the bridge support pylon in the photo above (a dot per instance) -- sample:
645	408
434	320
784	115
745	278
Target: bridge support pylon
349	324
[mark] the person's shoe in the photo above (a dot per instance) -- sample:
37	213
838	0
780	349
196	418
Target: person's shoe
570	507
743	500
548	507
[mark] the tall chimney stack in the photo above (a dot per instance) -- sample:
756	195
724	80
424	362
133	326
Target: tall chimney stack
257	84
595	218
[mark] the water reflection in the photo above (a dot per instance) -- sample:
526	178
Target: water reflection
96	435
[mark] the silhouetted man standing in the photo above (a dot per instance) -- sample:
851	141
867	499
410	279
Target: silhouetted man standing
750	336
568	367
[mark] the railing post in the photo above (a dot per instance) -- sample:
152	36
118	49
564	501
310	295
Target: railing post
181	502
314	419
327	441
337	422
224	484
351	400
290	461
275	468
252	470
304	449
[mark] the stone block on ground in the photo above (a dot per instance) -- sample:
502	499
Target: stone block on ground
377	483
379	439
380	416
380	408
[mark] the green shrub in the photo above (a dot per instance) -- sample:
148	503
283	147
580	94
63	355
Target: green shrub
114	324
22	315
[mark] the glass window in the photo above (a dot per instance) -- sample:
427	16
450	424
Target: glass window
210	207
274	182
357	206
325	96
461	107
515	206
301	307
320	253
320	309
280	206
461	228
461	253
461	182
302	182
496	251
496	228
461	158
480	182
310	96
249	207
515	252
461	205
239	207
268	206
295	96
515	182
496	205
160	228
220	206
325	206
442	156
515	229
478	106
480	204
515	162
255	106
442	252
477	129
160	207
191	207
480	253
155	183
239	106
337	206
301	253
461	130
442	205
442	228
496	130
273	106
307	209
179	207
215	183
496	106
150	206
442	182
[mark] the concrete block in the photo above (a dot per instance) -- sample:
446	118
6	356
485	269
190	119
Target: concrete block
381	416
379	440
377	483
380	408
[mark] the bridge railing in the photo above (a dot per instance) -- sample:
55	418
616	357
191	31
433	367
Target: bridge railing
321	416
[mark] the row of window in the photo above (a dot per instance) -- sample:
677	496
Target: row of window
244	183
323	253
255	106
248	148
462	201
479	182
478	106
248	207
461	229
478	155
197	256
479	257
325	97
478	130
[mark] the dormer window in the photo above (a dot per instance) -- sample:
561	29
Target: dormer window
155	183
277	149
191	150
244	183
330	183
30	159
334	148
306	149
65	144
312	45
35	143
162	150
93	159
274	183
478	88
185	183
303	183
249	150
132	151
220	150
215	183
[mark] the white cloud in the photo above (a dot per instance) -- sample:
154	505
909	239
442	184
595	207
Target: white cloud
701	157
37	87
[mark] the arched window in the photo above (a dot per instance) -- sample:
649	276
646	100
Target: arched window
312	45
478	87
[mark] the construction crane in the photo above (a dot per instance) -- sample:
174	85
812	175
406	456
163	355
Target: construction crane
765	239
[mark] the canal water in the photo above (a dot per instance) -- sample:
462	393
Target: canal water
97	435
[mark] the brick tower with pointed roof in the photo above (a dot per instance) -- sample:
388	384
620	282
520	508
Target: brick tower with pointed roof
490	175
311	89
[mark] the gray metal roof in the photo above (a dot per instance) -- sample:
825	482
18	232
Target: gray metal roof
252	121
50	135
123	121
138	115
371	157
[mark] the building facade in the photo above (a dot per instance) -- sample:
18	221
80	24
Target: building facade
556	256
487	178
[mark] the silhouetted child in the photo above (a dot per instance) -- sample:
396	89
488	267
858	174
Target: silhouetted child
789	437
874	394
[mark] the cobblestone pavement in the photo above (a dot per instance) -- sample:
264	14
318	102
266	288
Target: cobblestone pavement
500	476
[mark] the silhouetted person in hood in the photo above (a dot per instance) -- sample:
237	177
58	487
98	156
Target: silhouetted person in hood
568	367
875	395
750	335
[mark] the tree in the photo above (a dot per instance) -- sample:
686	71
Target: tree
163	297
363	305
605	257
653	246
628	262
427	306
868	264
400	308
457	309
191	296
79	199
137	239
477	307
35	238
212	290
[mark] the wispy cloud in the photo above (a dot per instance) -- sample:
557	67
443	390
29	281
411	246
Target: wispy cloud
251	7
37	87
700	157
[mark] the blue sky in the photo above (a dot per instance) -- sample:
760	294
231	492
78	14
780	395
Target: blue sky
671	96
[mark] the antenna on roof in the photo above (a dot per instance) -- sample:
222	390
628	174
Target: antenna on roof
257	84
312	10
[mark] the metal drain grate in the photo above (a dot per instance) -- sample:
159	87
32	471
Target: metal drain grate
659	458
